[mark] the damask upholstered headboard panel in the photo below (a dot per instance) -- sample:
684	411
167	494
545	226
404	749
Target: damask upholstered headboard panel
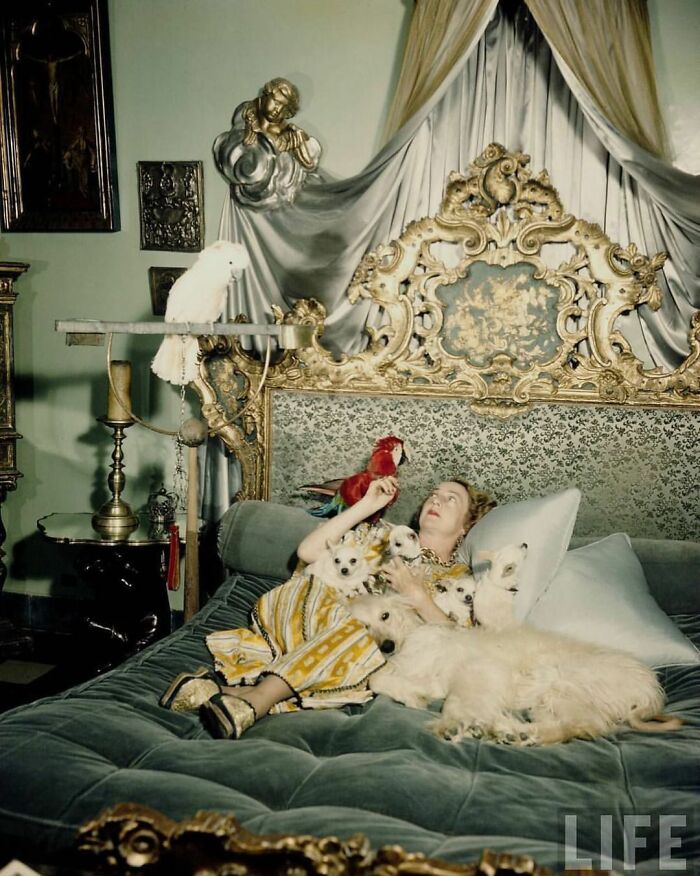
495	354
634	466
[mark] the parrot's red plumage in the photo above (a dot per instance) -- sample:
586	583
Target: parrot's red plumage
382	463
387	455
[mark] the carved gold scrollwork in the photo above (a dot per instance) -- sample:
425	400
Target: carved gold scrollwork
502	298
130	838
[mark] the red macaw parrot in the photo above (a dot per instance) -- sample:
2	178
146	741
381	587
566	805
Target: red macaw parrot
388	454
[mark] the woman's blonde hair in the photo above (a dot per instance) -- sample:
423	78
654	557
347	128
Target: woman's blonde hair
480	503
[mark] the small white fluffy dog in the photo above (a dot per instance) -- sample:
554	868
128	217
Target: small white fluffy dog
455	597
403	543
520	686
344	567
497	586
488	600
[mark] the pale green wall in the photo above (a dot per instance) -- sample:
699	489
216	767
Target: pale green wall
179	68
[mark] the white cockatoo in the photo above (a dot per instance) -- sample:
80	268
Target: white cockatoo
199	295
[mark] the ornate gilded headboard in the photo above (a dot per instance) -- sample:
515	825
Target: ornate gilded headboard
495	351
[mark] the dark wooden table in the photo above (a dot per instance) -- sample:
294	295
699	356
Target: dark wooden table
128	576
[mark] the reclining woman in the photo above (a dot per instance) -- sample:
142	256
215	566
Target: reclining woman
304	649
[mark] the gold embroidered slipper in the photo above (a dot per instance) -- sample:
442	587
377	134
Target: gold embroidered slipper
190	689
227	717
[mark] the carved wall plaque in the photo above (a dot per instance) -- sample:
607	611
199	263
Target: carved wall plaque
171	205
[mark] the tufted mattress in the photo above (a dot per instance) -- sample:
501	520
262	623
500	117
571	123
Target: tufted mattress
372	769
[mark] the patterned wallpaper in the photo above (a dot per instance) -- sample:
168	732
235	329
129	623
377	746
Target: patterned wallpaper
638	469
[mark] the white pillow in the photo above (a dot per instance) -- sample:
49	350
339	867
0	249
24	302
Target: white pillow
544	524
600	595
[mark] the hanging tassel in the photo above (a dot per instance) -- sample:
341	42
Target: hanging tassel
173	578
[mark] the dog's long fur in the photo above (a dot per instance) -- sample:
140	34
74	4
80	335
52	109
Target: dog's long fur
520	686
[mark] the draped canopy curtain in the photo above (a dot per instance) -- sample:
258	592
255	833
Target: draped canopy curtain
475	71
603	51
607	44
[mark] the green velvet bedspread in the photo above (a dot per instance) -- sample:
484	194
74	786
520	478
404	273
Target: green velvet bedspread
373	769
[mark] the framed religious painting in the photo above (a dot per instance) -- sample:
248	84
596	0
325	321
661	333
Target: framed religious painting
57	122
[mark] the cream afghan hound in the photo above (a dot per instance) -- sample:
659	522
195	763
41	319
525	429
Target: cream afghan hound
519	686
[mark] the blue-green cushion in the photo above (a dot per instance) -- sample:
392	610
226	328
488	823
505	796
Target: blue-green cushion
600	595
261	538
545	524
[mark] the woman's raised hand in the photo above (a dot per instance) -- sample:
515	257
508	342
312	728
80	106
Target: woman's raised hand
401	579
379	494
410	585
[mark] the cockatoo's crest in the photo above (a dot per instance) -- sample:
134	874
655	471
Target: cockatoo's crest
234	254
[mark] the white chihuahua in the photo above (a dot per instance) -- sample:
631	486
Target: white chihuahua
403	543
342	566
455	597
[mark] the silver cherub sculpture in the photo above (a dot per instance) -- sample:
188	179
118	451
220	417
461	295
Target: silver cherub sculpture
266	158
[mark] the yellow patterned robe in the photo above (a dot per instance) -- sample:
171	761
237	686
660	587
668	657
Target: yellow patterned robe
303	632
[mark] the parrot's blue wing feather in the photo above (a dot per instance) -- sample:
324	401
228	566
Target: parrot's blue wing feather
329	509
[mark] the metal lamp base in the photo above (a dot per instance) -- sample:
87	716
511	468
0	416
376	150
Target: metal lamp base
115	518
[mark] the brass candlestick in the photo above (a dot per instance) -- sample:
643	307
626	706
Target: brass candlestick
115	518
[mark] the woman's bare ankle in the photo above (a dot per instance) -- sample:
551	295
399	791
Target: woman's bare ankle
262	696
250	695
